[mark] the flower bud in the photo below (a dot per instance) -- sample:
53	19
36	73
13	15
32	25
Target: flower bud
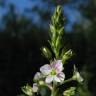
27	90
77	76
67	56
69	92
58	8
41	82
61	31
58	44
46	52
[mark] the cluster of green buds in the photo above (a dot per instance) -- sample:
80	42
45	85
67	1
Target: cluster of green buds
47	82
57	31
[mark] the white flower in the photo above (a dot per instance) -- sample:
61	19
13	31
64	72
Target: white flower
53	72
77	76
35	87
38	76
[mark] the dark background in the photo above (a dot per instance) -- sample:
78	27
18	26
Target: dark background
24	29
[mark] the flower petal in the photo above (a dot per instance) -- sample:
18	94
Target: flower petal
61	76
49	79
57	65
35	87
46	69
56	79
38	76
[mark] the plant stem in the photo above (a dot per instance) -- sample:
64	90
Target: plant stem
68	80
53	90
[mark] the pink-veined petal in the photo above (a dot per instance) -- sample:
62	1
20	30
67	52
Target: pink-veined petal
49	79
57	65
61	76
45	69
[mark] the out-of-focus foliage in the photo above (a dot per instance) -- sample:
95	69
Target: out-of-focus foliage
88	31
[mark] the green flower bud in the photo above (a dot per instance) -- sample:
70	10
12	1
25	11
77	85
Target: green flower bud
58	8
58	43
46	52
69	92
27	90
41	82
61	31
52	29
77	76
67	56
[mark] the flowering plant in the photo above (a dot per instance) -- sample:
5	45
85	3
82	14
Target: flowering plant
52	78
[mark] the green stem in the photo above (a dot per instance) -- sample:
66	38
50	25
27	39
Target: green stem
53	90
68	80
57	56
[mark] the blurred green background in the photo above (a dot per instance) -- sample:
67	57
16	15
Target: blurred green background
24	29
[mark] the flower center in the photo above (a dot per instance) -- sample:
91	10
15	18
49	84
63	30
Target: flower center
53	72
